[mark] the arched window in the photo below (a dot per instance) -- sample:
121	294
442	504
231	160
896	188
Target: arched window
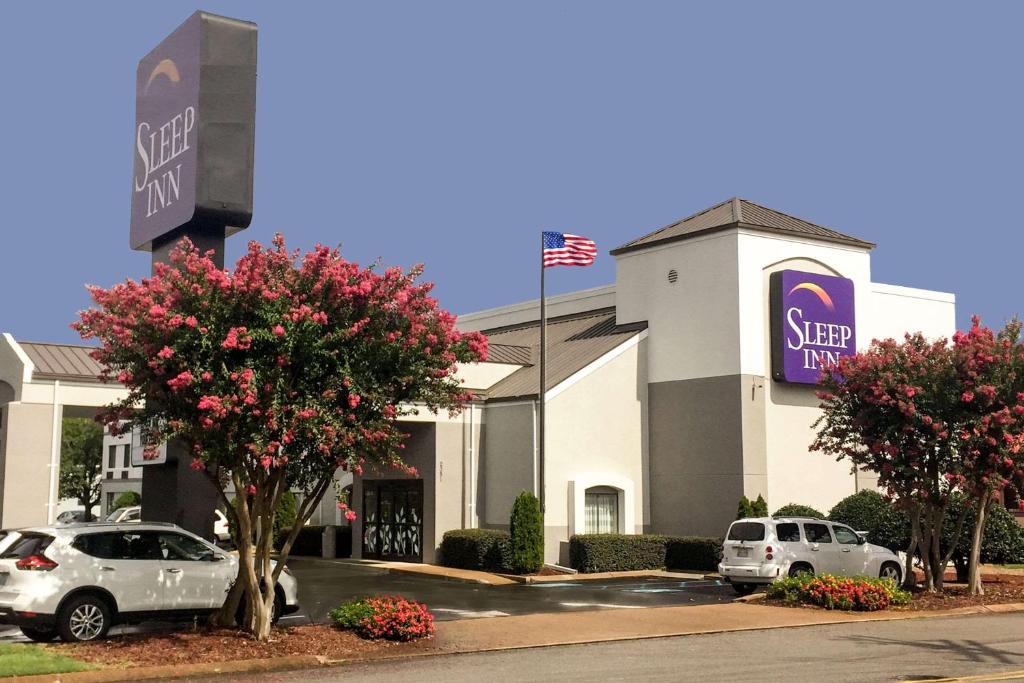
601	508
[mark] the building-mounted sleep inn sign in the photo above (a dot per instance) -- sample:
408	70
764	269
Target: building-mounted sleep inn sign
812	322
195	121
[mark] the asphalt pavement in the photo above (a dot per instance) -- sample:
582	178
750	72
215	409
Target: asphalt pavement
325	584
910	650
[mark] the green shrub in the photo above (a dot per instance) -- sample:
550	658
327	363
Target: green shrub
310	541
126	500
862	511
591	553
797	510
694	553
526	528
386	617
858	593
482	549
759	507
284	518
745	508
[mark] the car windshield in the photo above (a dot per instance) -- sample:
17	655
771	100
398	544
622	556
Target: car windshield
113	515
746	531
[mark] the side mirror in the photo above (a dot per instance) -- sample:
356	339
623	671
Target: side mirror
861	540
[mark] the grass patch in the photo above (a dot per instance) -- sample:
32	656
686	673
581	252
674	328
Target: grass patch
22	659
1008	566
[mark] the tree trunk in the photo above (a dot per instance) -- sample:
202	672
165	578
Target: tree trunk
974	565
909	579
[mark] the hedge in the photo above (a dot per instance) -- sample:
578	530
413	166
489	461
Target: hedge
482	549
590	553
310	541
693	552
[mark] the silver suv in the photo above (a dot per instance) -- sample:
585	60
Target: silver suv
762	549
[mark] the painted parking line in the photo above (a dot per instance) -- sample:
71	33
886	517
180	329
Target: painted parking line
681	587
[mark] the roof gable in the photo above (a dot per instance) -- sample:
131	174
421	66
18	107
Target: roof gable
740	213
62	361
574	342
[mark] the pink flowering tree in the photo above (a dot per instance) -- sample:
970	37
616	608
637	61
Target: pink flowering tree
894	410
276	375
990	373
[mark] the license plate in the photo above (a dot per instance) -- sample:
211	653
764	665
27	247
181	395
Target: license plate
742	552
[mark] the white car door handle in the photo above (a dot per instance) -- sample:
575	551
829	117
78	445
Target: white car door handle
846	550
814	548
107	569
173	570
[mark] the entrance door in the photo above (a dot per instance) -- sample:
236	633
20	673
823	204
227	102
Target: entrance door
393	520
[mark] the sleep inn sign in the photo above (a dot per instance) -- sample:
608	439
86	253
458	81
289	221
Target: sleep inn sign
813	324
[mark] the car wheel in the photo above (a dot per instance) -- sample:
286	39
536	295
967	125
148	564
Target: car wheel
800	568
743	588
891	570
86	617
40	635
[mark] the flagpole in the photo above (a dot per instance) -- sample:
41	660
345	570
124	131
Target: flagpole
543	379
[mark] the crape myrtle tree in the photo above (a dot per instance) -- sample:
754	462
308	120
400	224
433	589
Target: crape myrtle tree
276	375
894	409
990	370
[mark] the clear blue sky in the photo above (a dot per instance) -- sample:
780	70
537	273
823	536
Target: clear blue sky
453	132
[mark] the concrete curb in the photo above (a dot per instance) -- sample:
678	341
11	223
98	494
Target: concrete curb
268	665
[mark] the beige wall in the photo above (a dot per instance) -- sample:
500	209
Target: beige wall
25	451
508	460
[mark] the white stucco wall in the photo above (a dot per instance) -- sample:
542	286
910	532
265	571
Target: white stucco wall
694	324
596	437
895	311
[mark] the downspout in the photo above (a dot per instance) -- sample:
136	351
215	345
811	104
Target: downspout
536	452
51	505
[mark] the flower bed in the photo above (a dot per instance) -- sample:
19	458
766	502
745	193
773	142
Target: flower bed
385	618
859	593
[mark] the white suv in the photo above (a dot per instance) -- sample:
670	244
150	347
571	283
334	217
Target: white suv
762	549
77	580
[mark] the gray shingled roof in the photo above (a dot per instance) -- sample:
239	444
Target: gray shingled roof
740	213
62	361
574	341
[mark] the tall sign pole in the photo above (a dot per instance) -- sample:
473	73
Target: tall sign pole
195	122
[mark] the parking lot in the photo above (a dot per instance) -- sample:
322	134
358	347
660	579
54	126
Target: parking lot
324	584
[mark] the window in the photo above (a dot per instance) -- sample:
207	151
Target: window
124	474
817	533
120	545
788	532
179	547
746	531
110	501
601	507
132	516
26	546
111	457
846	536
127	459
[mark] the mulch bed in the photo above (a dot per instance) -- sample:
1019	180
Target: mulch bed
206	644
999	588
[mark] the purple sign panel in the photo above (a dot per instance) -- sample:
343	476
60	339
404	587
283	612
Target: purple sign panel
813	324
195	119
166	135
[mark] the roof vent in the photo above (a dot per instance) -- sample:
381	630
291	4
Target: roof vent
673	276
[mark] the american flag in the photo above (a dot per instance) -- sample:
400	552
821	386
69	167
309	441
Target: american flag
563	249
